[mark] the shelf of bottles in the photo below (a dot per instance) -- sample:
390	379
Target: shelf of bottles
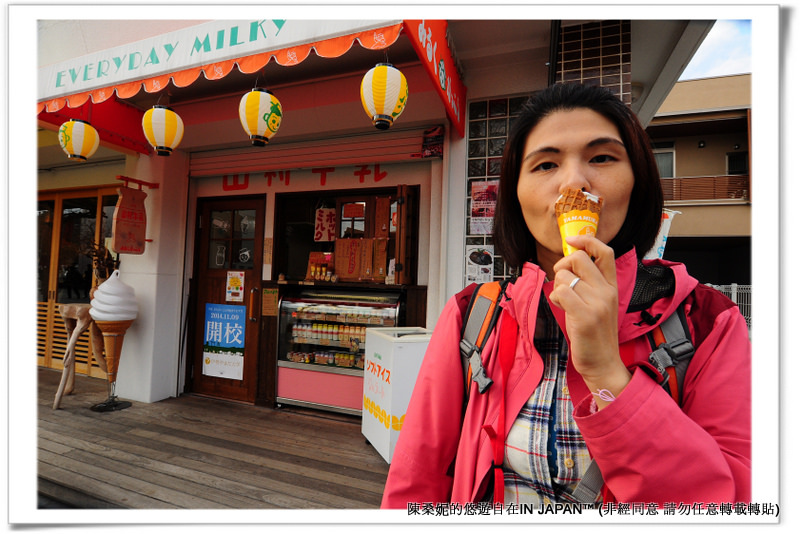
327	332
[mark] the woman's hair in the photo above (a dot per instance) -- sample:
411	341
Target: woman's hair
512	239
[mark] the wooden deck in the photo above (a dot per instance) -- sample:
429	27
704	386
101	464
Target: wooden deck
198	453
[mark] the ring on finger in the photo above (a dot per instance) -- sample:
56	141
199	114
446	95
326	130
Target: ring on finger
574	282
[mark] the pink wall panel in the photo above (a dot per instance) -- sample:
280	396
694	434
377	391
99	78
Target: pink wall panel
319	387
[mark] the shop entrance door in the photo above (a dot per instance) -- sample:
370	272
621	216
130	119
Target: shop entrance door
226	286
69	223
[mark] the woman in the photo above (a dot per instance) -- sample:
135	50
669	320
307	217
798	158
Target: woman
578	387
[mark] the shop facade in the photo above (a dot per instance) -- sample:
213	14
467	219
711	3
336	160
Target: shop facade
234	287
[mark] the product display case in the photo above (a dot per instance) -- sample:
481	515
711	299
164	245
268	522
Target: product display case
321	340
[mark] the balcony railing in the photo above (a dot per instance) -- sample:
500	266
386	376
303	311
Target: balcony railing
726	187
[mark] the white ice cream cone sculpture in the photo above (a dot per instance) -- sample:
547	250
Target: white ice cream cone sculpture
113	310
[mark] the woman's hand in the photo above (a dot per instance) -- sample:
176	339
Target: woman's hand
591	308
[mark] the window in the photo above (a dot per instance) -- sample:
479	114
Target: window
664	152
738	163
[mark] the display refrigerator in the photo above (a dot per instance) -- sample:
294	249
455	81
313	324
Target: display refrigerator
321	341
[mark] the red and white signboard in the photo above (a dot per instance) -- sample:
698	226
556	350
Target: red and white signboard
429	39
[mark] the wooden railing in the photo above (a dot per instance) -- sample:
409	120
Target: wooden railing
726	187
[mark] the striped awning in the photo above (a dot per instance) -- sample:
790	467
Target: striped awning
328	47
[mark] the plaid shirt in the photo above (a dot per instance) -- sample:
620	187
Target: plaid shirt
545	453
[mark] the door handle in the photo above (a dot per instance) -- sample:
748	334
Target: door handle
251	314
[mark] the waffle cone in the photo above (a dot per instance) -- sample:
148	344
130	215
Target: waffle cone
575	199
113	336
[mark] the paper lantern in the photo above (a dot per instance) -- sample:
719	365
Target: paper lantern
78	139
384	93
163	129
260	113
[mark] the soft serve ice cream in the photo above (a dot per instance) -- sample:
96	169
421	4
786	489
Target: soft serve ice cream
113	310
114	300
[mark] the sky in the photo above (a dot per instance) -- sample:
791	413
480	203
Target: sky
725	51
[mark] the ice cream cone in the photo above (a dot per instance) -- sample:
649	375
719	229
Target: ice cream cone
578	213
113	336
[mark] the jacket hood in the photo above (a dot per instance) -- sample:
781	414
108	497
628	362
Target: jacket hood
649	291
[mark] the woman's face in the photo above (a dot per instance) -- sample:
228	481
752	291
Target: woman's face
580	149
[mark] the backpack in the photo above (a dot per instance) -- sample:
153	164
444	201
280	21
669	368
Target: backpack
670	342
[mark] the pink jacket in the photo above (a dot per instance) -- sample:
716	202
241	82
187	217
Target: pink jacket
649	449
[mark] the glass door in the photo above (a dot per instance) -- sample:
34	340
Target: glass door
68	224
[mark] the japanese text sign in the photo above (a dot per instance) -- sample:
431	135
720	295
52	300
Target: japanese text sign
223	341
325	224
429	39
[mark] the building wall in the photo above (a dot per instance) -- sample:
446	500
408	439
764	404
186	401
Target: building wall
690	160
80	176
723	92
704	220
597	53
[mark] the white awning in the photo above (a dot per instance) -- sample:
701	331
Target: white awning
212	49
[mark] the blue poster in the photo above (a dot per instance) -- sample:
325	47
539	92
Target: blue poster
223	341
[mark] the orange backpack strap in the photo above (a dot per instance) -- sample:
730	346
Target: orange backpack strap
480	318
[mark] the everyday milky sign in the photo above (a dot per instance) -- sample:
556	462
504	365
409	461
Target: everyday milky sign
186	48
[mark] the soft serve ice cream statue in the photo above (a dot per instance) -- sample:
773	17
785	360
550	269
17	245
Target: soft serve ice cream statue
113	310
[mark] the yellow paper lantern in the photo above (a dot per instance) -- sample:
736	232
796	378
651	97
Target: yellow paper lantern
384	93
163	129
260	114
78	139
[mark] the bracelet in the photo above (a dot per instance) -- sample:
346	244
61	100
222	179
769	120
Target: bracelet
604	394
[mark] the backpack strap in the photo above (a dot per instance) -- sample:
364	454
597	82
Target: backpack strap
672	352
480	319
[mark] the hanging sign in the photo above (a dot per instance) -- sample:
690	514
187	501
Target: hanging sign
429	39
129	223
325	224
234	288
223	345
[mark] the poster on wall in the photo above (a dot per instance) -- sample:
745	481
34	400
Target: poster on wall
480	263
484	201
234	288
223	343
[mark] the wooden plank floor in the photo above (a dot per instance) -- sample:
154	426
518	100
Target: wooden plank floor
199	453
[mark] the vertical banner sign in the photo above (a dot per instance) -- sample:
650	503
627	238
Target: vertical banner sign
657	252
223	345
234	288
129	223
325	224
429	39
